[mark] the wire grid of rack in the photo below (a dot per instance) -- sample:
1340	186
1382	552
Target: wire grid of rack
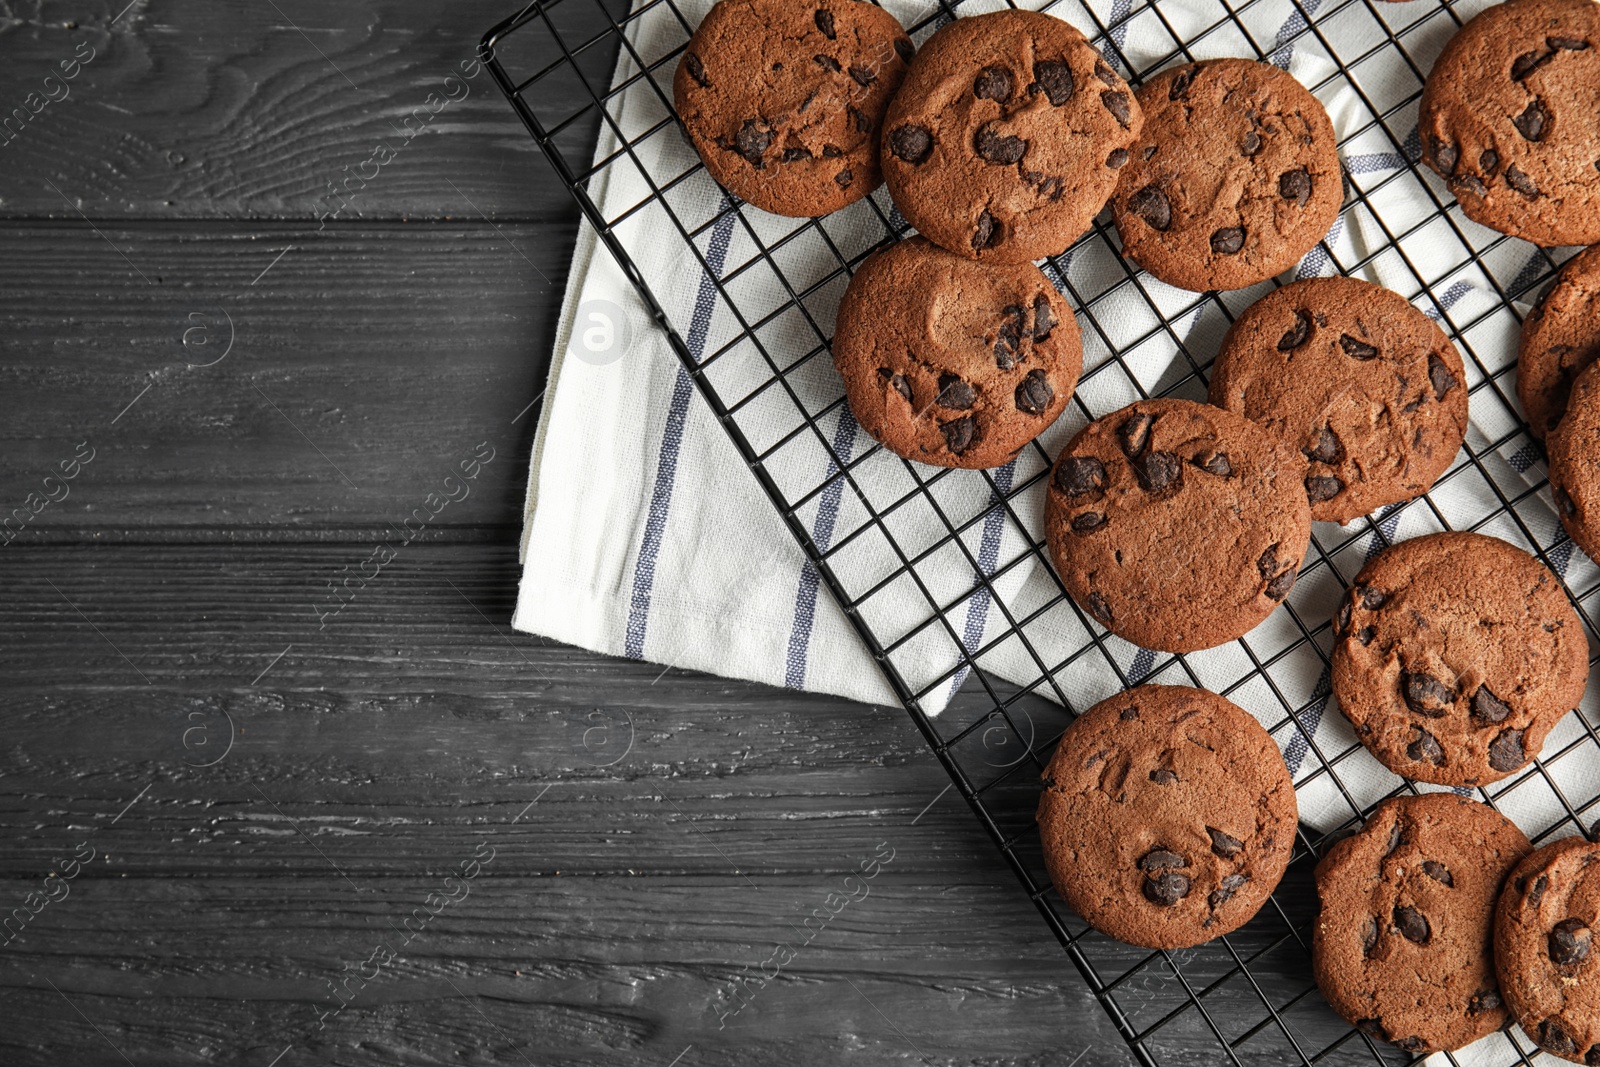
1248	997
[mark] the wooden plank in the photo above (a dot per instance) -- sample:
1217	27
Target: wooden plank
232	109
365	366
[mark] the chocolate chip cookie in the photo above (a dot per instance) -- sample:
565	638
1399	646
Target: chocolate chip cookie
1235	177
1365	385
1508	119
1177	525
1403	947
1574	448
1455	654
1168	816
784	101
1543	934
1005	141
1560	337
952	362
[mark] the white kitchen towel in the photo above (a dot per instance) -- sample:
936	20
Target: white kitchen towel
648	537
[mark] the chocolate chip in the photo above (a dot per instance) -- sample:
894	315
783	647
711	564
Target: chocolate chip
1438	872
1160	859
1165	776
826	62
1103	71
1532	121
1365	635
863	76
1489	162
1425	749
897	382
1521	182
1267	564
1397	837
1444	156
1409	1044
1008	339
996	148
1569	942
905	49
1214	463
1100	609
1151	205
1564	502
824	20
1116	102
914	144
1341	623
1117	159
1150	151
1412	926
1483	1000
993	83
1227	241
1528	62
752	141
860	119
1043	320
1471	183
1357	349
1425	694
1536	894
831	151
795	155
1567	44
844	178
697	69
1088	522
1158	470
1323	488
1295	185
954	393
960	434
1250	144
1034	394
1505	751
1054	78
1554	1039
1166	888
1229	886
1369	937
1373	1027
1297	334
1180	84
986	233
1077	475
1439	374
1327	447
1224	845
1488	708
1128	714
1134	433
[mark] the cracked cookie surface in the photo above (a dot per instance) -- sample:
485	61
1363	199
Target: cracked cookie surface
1005	140
1363	383
1402	948
1542	948
1574	449
1177	525
1560	338
1235	177
1508	120
1168	816
784	101
1455	655
952	362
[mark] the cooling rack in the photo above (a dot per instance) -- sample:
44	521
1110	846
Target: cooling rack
566	66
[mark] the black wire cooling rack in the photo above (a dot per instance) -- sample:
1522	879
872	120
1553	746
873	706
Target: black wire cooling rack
1248	997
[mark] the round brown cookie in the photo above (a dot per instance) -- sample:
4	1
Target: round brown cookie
1574	448
1507	119
1168	816
1403	947
1542	948
785	101
1455	654
952	362
1363	383
1005	141
1235	177
1560	337
1177	525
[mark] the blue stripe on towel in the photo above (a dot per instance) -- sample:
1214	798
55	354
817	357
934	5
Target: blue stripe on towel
988	555
805	601
644	566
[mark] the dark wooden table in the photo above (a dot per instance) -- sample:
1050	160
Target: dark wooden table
239	832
